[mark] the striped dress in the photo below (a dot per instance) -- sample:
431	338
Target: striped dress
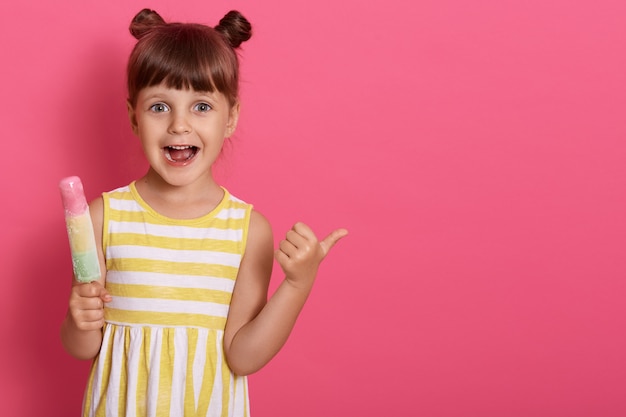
171	282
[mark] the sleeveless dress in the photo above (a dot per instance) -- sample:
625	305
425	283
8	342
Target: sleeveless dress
171	282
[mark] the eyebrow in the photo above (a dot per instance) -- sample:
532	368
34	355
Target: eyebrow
212	96
209	94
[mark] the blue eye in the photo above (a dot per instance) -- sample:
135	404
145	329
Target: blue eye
202	107
159	107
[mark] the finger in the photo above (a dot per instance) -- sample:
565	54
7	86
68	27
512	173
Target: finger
92	320
90	304
304	231
296	239
287	248
93	315
281	257
98	304
93	290
330	240
89	289
104	295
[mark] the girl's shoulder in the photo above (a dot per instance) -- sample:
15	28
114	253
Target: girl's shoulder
260	235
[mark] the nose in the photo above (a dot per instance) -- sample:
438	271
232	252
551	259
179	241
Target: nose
179	124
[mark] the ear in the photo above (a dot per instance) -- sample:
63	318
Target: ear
132	116
233	119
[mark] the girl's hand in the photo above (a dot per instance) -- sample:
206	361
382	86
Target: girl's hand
86	305
300	254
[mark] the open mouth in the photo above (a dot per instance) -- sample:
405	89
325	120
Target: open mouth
180	154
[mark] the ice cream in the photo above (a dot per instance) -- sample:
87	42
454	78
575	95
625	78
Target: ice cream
79	230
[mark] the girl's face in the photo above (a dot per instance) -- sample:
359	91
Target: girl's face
182	131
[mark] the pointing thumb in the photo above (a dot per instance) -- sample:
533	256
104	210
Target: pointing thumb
330	240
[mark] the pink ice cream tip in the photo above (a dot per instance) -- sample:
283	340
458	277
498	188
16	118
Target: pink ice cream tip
73	195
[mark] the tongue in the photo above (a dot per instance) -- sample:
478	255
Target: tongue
180	154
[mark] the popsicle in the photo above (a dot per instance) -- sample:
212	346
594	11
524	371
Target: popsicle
79	230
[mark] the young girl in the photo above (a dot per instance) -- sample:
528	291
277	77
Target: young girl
181	315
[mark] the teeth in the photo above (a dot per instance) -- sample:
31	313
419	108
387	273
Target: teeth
167	150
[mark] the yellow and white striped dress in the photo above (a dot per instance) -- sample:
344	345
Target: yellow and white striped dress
171	282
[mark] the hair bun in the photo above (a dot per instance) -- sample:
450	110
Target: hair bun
235	28
144	22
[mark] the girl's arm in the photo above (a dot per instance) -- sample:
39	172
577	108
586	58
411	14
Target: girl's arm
81	330
256	328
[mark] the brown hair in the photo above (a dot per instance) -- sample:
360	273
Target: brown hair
186	55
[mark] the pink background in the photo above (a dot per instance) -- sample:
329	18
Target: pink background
474	149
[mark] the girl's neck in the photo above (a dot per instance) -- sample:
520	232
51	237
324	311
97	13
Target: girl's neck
179	202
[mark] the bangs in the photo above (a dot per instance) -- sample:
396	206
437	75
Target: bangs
184	57
181	74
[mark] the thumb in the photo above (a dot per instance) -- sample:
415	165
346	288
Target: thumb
103	294
330	240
